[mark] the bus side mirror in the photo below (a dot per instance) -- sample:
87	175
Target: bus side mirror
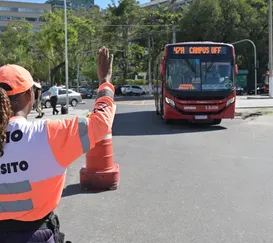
236	69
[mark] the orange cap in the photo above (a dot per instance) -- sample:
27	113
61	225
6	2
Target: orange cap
17	77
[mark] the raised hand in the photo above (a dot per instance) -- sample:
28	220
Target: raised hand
105	65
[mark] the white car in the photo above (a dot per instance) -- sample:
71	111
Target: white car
73	96
132	90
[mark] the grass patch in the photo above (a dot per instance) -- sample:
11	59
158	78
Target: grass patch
267	112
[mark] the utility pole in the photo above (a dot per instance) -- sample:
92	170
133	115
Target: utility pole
150	65
49	74
66	55
78	76
270	51
174	34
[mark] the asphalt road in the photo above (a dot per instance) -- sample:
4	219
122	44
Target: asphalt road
178	184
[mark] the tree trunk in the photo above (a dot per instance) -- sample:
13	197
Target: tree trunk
54	71
125	53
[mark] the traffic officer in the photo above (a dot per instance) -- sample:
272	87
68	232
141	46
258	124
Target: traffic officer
35	155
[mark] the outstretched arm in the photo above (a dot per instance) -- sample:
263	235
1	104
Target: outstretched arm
71	138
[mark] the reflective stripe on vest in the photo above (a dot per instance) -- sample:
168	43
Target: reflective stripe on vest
36	155
83	133
31	179
108	136
16	206
105	92
15	188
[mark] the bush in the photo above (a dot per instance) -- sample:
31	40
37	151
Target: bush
136	82
119	81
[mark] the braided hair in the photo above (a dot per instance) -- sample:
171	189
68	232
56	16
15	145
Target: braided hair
5	115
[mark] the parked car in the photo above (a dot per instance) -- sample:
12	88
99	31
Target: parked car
239	90
74	98
132	90
86	93
95	91
45	88
260	90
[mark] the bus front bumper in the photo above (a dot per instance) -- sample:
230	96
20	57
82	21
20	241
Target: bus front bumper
177	111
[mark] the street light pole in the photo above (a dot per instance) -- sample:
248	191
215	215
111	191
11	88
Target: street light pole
150	65
78	76
270	51
66	55
174	34
255	59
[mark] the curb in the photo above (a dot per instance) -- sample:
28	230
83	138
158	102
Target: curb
238	113
259	98
253	107
245	115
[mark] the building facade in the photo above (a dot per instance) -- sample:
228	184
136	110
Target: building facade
82	4
174	3
16	11
71	4
59	4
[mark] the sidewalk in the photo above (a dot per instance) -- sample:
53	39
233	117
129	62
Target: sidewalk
48	114
249	102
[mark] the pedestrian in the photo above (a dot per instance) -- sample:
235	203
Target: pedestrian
38	100
53	93
35	155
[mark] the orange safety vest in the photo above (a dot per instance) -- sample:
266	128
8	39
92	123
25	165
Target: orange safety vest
36	155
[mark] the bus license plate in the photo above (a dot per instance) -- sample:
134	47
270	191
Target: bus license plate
201	117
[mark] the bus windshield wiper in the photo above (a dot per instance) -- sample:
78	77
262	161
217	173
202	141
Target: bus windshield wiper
190	66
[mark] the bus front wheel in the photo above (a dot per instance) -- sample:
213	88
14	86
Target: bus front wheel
216	121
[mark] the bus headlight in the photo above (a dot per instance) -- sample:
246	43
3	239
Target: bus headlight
170	102
230	101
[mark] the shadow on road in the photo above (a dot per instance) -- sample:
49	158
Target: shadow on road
133	98
75	189
148	123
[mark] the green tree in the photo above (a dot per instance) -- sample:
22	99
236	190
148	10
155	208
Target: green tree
229	21
51	40
201	21
121	17
157	29
17	44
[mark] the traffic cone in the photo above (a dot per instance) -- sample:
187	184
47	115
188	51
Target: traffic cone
100	172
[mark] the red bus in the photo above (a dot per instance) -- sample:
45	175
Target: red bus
196	82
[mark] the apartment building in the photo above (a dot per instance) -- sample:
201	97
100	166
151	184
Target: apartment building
15	11
59	4
82	4
71	4
174	3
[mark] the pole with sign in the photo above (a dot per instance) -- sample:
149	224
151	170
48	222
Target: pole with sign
255	58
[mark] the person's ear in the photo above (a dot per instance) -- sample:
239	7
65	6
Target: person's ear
29	94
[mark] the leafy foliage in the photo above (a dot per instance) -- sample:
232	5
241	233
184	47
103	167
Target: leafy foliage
128	30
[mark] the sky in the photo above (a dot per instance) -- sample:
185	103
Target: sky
101	3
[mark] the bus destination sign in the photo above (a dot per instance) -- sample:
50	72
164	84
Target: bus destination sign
200	50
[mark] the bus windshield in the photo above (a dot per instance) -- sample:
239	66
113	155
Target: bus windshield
198	75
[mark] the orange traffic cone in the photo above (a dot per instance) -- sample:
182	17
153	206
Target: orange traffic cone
100	172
